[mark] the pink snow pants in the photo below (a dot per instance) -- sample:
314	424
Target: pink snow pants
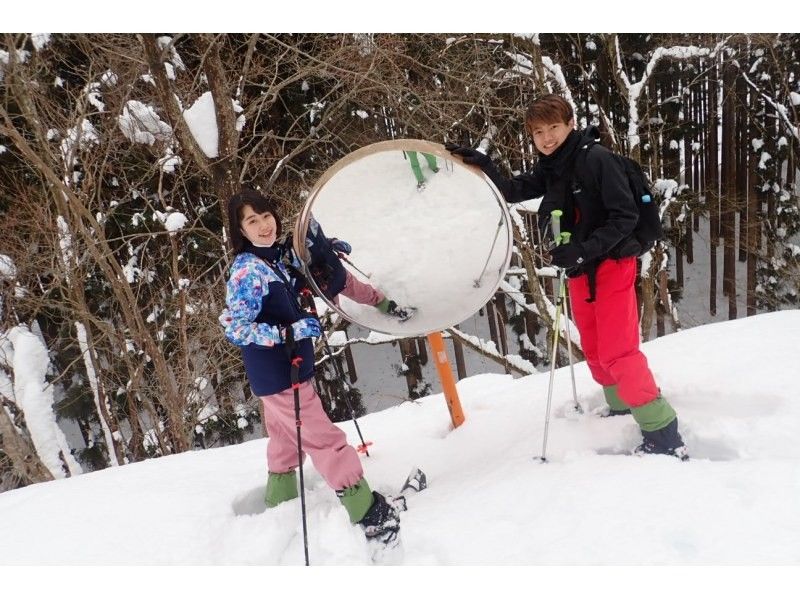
326	444
361	292
609	330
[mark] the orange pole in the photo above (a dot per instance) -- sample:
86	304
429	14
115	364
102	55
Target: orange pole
446	376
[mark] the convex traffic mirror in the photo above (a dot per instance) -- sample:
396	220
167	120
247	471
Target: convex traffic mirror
424	230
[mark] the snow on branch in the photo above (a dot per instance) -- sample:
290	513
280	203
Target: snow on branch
140	124
26	356
91	374
635	89
489	349
202	121
779	108
519	299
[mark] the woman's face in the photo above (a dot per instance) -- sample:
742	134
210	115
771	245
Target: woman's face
259	229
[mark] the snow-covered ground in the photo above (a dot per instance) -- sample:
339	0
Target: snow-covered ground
490	501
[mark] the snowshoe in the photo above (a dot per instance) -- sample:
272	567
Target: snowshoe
401	313
416	481
608	412
382	522
666	441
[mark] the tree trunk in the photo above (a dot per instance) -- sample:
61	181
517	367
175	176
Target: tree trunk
502	319
458	351
413	371
728	201
712	194
351	365
20	450
742	170
422	351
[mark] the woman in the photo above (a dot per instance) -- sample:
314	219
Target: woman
333	278
263	303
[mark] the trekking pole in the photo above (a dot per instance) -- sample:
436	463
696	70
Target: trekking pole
295	377
555	223
344	258
578	407
477	282
361	448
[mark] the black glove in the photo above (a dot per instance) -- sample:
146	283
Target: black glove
470	156
567	256
341	246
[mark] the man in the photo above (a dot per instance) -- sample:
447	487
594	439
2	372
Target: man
600	212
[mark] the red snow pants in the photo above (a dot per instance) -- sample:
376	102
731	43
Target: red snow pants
609	329
325	443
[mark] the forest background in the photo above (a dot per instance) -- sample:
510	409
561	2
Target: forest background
112	201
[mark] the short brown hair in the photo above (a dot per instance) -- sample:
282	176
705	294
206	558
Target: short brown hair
549	109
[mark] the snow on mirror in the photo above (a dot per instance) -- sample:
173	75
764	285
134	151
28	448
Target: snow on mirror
423	230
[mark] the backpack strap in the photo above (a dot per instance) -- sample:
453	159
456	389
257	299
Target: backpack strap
578	166
579	162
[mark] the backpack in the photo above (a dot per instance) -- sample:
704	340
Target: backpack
648	229
324	265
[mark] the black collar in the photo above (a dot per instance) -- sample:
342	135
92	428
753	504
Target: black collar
272	253
557	162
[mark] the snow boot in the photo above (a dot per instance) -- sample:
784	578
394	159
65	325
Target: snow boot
665	441
390	308
615	404
280	488
356	499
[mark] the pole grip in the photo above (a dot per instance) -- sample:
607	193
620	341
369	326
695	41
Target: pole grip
555	224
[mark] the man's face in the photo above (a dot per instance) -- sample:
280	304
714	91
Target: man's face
548	137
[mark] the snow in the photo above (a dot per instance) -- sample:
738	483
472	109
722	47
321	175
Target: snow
8	271
635	89
165	41
64	239
93	94
92	376
78	138
169	161
141	124
172	221
795	97
40	40
489	500
175	221
109	78
5	58
23	353
202	121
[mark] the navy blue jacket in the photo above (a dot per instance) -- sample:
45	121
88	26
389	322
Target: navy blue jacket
262	301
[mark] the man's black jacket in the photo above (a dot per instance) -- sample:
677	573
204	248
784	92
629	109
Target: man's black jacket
600	211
